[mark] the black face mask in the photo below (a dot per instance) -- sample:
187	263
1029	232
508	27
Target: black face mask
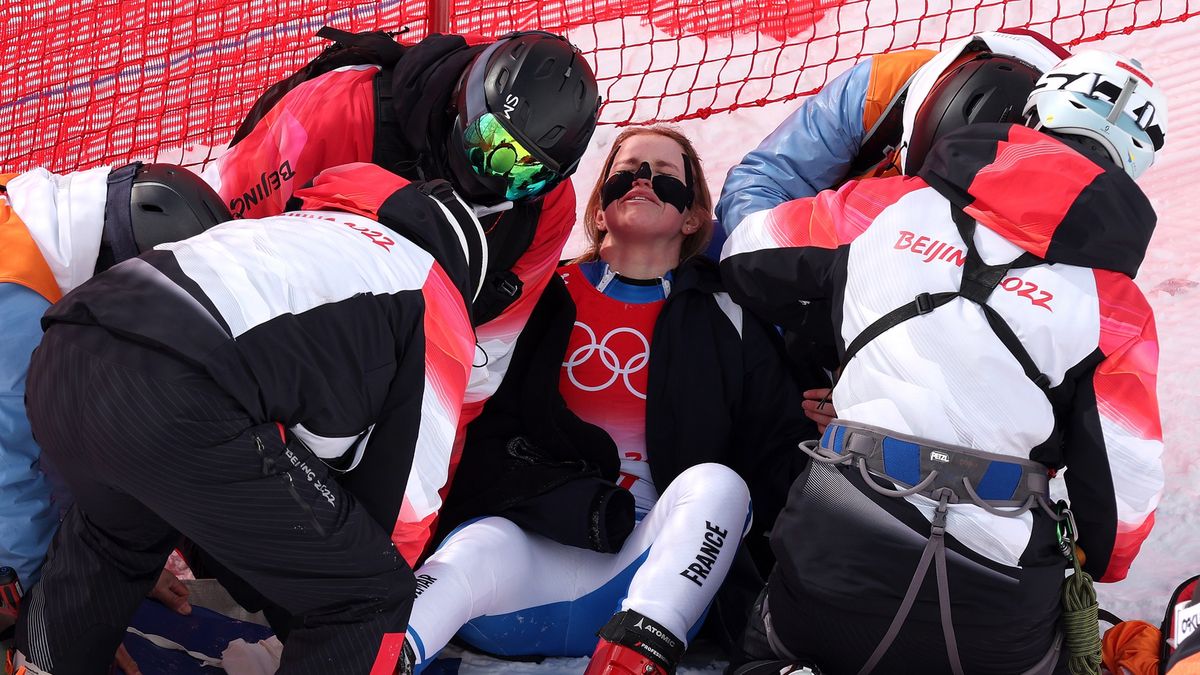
668	189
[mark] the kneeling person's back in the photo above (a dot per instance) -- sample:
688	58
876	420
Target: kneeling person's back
263	389
990	331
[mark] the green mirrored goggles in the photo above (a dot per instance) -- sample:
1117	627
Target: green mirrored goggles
494	152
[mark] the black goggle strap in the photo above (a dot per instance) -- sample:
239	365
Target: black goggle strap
670	190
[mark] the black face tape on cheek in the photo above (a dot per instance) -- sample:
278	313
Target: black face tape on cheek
670	190
617	186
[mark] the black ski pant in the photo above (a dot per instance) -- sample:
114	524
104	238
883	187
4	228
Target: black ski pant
839	640
152	449
845	558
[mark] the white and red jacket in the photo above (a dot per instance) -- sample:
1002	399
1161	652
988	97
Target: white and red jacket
329	121
872	246
347	321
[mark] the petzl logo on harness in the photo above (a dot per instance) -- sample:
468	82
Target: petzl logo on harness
939	457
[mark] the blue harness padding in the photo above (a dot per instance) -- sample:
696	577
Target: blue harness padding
997	479
203	631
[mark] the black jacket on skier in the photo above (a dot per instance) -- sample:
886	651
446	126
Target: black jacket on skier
226	386
562	488
1084	397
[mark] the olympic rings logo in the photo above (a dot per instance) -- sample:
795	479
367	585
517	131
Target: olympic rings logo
609	358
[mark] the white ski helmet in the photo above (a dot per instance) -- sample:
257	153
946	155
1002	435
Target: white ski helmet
1105	97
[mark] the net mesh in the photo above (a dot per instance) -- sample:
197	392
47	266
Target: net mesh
94	82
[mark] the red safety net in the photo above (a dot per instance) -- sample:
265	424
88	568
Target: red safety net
92	82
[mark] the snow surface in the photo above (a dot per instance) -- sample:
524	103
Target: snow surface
1170	277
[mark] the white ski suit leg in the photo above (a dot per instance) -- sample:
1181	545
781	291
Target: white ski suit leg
515	593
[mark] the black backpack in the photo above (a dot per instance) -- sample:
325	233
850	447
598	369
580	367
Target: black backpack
348	49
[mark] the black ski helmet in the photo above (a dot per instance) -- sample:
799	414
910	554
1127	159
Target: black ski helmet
165	203
542	91
986	87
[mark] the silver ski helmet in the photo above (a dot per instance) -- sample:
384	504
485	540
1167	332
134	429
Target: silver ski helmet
525	109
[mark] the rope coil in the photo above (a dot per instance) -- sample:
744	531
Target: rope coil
1080	608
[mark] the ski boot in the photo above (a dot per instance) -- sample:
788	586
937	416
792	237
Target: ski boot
633	644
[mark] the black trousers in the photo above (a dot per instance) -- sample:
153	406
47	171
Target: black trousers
840	640
152	449
845	558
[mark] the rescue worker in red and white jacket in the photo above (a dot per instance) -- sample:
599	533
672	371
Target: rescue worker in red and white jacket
991	333
861	124
490	119
262	389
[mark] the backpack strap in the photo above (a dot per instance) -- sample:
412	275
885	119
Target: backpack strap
923	304
117	242
507	242
388	150
380	43
979	280
346	49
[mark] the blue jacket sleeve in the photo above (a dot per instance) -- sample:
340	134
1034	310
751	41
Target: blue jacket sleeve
27	518
810	151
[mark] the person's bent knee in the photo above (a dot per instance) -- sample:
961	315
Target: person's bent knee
715	482
492	537
350	600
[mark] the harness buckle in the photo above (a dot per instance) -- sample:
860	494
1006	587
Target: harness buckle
924	304
937	527
509	284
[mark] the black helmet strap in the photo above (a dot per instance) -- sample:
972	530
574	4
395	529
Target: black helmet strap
118	236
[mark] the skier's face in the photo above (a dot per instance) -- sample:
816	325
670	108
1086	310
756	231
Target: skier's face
642	196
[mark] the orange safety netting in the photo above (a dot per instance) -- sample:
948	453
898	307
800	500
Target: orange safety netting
91	82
